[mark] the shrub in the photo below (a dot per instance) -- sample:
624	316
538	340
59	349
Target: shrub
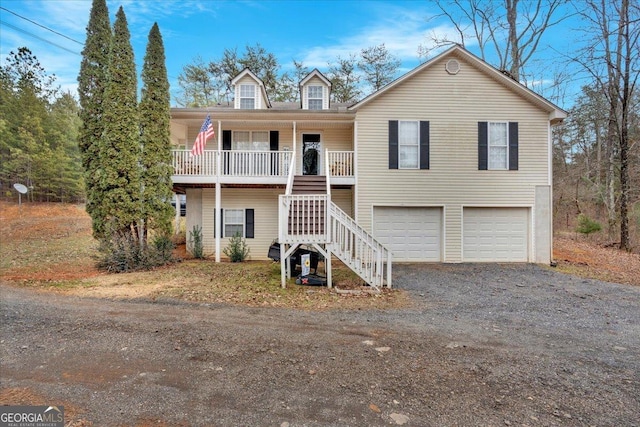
121	253
162	248
237	249
586	225
195	242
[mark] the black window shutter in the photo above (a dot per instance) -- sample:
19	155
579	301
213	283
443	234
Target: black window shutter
513	146
222	222
274	140
424	145
249	223
483	148
226	140
393	144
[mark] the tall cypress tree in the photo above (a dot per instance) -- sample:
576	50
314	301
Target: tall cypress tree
118	176
155	140
92	81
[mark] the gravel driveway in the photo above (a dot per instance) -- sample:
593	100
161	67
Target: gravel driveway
483	345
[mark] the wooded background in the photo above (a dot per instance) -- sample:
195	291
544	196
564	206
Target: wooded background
596	155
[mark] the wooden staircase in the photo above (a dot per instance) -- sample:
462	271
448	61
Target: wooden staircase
309	184
310	217
307	215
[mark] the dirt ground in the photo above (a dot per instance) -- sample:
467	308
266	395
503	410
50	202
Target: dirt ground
481	345
33	224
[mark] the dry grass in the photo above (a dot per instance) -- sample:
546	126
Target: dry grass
49	246
582	257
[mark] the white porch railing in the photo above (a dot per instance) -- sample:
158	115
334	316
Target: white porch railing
358	249
234	163
186	164
303	218
256	163
340	163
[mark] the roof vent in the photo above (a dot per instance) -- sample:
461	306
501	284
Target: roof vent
452	66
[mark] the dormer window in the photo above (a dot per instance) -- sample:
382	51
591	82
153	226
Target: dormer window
315	96
248	97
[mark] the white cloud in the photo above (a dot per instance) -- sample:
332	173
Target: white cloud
401	30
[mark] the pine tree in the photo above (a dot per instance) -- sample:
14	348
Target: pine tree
155	140
92	80
118	176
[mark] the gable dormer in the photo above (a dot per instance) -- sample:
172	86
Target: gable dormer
314	91
249	92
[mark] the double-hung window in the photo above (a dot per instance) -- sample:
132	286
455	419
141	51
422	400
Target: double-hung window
314	97
498	146
238	221
408	145
248	97
233	222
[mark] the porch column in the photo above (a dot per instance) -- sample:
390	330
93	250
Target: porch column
295	149
178	209
218	210
355	170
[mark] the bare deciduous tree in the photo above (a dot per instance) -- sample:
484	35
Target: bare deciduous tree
512	32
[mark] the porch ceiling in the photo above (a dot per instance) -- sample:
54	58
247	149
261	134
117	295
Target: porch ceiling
265	119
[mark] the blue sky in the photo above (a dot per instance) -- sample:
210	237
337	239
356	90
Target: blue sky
315	32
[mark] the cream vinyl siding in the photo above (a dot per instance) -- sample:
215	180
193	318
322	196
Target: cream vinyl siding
247	80
332	139
264	202
344	199
453	105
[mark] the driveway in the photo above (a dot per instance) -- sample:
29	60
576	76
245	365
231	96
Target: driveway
487	345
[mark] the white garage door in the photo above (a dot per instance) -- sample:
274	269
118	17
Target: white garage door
495	234
410	233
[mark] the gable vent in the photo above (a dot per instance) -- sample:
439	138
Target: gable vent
452	66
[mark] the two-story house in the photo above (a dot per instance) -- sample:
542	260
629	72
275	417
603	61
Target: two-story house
449	163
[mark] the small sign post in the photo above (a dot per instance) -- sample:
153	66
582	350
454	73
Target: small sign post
306	264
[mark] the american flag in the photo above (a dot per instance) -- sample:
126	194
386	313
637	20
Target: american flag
206	133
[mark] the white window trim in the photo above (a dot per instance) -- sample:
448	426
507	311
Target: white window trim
251	140
407	145
248	97
315	98
500	146
244	222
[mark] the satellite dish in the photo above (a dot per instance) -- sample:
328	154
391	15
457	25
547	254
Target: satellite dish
22	189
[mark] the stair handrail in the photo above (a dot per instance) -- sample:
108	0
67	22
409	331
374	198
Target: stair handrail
292	166
374	273
327	172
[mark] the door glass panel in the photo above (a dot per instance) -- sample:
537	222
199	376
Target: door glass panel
310	154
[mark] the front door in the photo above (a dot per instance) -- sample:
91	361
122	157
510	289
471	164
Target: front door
310	153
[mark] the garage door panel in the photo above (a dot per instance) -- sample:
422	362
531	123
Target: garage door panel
495	234
411	233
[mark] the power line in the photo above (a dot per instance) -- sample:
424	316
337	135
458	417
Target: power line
42	26
38	37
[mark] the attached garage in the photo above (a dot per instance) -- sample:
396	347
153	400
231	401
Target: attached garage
410	233
495	234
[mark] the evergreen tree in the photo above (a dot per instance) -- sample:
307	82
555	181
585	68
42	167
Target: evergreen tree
378	65
92	80
344	80
118	174
155	139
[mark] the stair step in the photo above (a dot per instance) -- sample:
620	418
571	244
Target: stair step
309	184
